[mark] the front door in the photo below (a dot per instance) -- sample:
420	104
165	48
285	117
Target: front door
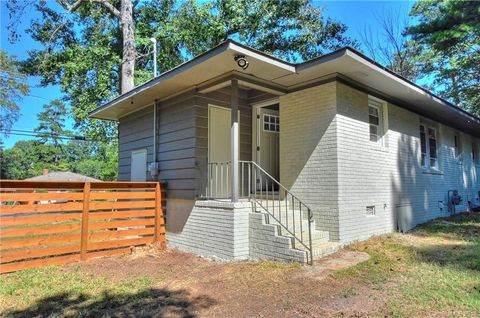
268	139
219	152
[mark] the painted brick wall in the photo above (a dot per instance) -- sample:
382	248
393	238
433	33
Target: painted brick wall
215	230
390	177
265	243
308	151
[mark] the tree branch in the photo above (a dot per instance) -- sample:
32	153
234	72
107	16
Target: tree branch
109	6
70	7
74	6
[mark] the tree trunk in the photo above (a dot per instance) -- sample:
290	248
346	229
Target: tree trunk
129	52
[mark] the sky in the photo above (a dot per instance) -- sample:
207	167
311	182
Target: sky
355	14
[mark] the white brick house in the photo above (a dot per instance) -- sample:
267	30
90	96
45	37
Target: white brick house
269	159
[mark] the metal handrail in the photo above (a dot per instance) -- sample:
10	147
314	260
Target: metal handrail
284	224
255	180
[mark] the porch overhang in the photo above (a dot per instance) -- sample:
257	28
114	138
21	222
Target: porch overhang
216	64
217	68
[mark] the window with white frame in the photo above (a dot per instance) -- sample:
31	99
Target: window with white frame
428	146
475	153
458	147
375	120
271	123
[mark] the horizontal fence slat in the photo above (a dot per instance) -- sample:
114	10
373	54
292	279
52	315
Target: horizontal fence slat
38	185
121	195
45	223
121	205
120	233
36	208
120	214
40	219
115	224
57	260
39	230
41	240
38	252
120	243
123	185
33	196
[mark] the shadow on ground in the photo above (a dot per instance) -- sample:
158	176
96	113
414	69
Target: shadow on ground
147	303
464	250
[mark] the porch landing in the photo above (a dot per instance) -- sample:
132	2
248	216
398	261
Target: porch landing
225	230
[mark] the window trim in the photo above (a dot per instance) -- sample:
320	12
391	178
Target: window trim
382	127
475	153
379	138
458	151
427	164
276	124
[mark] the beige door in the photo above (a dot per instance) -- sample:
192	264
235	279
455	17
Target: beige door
219	141
138	165
268	140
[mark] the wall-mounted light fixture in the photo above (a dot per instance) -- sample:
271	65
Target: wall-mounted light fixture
241	61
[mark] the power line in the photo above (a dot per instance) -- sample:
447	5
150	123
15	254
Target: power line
29	133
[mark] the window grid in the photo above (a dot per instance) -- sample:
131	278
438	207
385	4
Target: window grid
458	146
374	121
271	123
428	147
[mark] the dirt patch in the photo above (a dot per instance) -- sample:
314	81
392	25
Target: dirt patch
289	289
157	264
334	262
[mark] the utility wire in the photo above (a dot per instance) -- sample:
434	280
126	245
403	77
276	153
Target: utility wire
29	133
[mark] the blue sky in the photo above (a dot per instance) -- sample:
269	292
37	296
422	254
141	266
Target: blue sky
355	14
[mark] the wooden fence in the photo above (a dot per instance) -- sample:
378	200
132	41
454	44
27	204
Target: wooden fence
44	223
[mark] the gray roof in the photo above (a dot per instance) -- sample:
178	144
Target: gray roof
62	176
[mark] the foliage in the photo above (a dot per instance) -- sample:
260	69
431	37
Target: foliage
289	29
13	86
26	159
82	50
390	47
51	121
449	34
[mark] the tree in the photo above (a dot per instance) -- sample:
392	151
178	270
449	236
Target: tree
290	29
51	123
82	50
449	34
391	47
27	159
13	87
124	15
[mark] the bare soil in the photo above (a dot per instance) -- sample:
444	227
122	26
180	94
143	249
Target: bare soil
241	289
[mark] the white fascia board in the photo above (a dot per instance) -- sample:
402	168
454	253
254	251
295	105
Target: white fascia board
163	77
262	57
412	87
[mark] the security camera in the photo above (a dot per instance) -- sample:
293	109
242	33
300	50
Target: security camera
241	61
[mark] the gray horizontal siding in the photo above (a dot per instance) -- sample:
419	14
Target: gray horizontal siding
135	131
182	138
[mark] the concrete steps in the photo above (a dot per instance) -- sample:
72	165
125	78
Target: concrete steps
297	224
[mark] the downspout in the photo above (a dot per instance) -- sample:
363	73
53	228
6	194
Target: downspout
155	132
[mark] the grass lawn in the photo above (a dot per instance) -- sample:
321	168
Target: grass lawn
433	271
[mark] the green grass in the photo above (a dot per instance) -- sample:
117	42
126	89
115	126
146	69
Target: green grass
432	271
69	290
435	268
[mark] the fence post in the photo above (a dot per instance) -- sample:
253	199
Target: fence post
159	220
85	214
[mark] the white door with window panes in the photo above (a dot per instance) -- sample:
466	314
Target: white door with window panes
268	142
